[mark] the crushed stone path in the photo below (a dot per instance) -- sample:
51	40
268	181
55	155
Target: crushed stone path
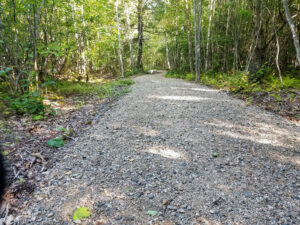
190	153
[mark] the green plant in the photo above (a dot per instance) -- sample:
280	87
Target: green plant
68	88
81	213
125	82
37	117
29	103
56	142
115	88
190	77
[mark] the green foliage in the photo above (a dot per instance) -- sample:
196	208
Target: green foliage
239	82
125	82
29	103
131	73
190	77
235	81
56	142
272	82
68	88
81	213
115	88
37	117
175	74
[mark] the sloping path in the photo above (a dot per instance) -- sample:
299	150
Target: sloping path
194	155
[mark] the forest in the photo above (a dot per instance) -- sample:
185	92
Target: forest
246	41
114	68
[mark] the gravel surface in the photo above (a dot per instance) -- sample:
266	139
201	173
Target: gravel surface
190	153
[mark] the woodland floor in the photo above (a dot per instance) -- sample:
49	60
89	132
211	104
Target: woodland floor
189	152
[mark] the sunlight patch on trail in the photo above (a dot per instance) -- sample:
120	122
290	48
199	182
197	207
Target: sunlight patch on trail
262	133
166	152
147	131
179	98
285	159
194	89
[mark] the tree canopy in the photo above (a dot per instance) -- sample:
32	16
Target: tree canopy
42	39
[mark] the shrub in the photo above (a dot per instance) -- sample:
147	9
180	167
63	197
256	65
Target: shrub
190	77
29	103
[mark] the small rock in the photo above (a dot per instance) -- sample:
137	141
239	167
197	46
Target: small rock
165	201
181	210
150	196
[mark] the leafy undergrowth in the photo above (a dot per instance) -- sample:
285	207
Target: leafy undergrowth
108	88
263	90
30	142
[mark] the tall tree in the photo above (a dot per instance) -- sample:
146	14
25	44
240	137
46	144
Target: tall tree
293	29
119	39
140	35
197	21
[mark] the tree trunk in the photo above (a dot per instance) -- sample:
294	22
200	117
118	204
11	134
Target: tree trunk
140	36
73	12
35	37
167	52
84	59
211	7
197	20
277	46
256	56
119	40
293	29
129	38
188	27
225	46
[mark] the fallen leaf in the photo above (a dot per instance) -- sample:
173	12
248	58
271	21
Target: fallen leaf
5	153
165	201
215	155
152	212
80	213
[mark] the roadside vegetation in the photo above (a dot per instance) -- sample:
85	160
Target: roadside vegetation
265	89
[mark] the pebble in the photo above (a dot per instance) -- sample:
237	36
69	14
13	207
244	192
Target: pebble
150	196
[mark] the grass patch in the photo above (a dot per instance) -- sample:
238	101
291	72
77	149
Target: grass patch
181	75
115	89
68	88
238	82
175	74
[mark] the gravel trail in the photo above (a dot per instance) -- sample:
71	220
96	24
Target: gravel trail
188	152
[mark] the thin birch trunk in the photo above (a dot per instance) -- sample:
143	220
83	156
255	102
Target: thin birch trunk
256	40
83	57
277	46
168	52
119	39
140	36
167	44
73	12
211	12
129	37
293	29
198	15
188	26
226	35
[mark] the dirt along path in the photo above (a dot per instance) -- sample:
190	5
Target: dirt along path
173	152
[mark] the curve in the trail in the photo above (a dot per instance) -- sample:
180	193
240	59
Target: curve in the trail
174	152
